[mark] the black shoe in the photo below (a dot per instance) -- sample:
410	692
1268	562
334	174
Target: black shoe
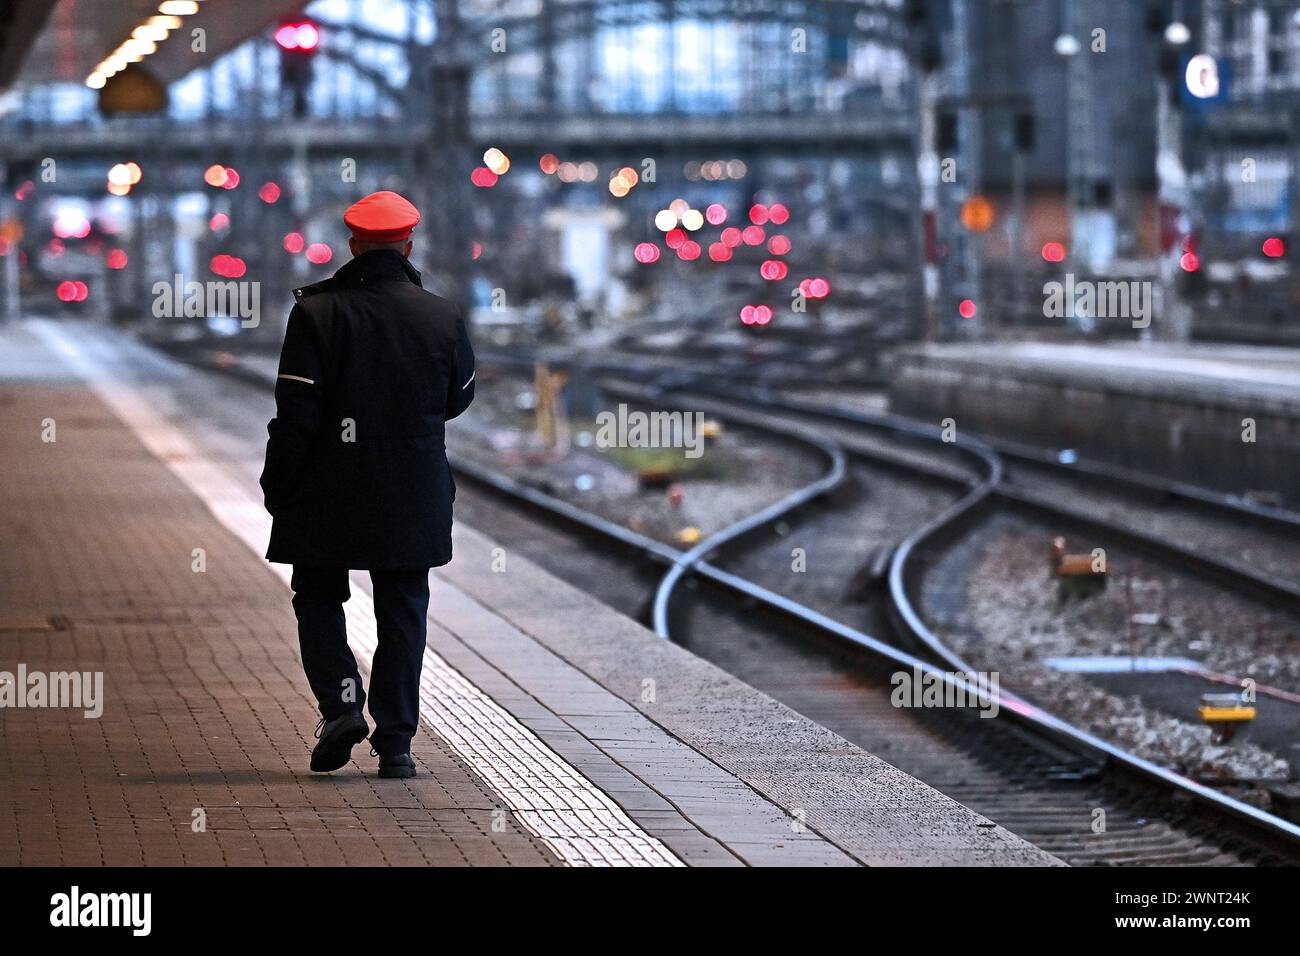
396	766
337	738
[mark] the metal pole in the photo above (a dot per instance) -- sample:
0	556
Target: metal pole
1019	161
9	263
1016	238
928	174
967	248
1172	318
11	284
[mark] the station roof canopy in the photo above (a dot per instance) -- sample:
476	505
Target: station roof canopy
43	42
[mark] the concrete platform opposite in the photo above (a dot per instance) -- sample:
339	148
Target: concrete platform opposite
1176	410
554	729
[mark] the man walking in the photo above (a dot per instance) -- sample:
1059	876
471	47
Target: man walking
356	474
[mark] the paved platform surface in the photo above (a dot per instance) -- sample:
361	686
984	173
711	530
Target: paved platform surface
1247	373
128	551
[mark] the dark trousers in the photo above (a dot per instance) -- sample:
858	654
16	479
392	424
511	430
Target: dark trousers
401	604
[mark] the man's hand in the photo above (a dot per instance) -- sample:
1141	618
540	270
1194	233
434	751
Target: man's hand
297	413
460	390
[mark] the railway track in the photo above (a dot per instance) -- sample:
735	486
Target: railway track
808	349
755	359
1025	769
1270	584
1018	462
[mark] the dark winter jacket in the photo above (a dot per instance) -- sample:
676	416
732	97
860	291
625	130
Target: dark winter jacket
356	468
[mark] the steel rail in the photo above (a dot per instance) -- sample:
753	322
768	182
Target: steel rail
796	499
688	560
956	672
1227	504
1150	484
1279	591
907	618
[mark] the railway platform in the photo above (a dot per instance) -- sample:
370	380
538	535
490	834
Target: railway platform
1226	414
175	724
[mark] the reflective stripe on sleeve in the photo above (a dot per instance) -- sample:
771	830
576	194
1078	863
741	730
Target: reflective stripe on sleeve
299	378
468	380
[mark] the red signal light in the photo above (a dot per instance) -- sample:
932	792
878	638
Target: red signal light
302	35
319	253
966	309
1274	247
72	291
228	266
817	288
1054	252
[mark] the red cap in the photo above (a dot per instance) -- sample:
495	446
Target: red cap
381	217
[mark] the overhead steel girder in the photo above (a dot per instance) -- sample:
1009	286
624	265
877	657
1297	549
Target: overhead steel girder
785	134
855	18
849	133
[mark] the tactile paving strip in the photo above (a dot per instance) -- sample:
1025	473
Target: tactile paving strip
565	810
